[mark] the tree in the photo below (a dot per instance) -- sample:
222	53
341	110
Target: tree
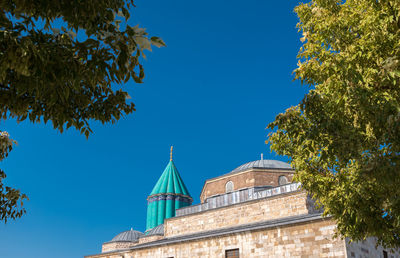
11	200
343	139
61	61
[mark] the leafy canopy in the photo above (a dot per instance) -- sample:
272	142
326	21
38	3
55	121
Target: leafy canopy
343	139
60	61
11	200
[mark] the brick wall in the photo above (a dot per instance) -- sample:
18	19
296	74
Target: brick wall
245	179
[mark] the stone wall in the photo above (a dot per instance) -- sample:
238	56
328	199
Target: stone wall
245	179
367	248
312	239
236	197
269	208
147	239
110	246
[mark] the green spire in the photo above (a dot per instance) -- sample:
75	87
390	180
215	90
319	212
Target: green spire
168	195
170	182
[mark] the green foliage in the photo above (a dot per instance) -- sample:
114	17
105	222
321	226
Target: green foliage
11	200
47	73
60	61
344	137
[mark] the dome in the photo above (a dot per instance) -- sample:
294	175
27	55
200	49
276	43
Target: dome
264	163
168	195
170	182
159	230
127	236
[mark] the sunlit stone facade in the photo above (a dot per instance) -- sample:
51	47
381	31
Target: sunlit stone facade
253	211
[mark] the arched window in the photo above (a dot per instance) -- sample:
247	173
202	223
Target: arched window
229	187
282	180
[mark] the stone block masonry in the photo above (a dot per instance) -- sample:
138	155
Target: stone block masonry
269	208
310	239
236	197
116	246
368	248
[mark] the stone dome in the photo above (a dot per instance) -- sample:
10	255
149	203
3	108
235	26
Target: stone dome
159	230
263	163
127	236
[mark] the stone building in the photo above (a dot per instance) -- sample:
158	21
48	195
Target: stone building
253	211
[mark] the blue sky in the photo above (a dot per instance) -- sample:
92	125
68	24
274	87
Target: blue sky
225	74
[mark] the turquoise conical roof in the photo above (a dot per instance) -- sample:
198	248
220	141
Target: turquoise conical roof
168	195
170	182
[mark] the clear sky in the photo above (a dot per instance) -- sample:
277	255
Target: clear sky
225	74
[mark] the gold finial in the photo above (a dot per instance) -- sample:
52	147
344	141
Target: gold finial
170	158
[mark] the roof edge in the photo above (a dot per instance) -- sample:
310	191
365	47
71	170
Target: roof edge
177	194
121	241
246	170
292	220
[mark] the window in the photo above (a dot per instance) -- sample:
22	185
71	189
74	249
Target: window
282	180
233	253
385	254
229	187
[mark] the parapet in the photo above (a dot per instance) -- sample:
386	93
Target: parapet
236	197
241	208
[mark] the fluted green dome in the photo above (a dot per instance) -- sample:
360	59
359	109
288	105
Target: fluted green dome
170	182
168	195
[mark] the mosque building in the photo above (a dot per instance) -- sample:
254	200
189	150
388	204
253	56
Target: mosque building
256	210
